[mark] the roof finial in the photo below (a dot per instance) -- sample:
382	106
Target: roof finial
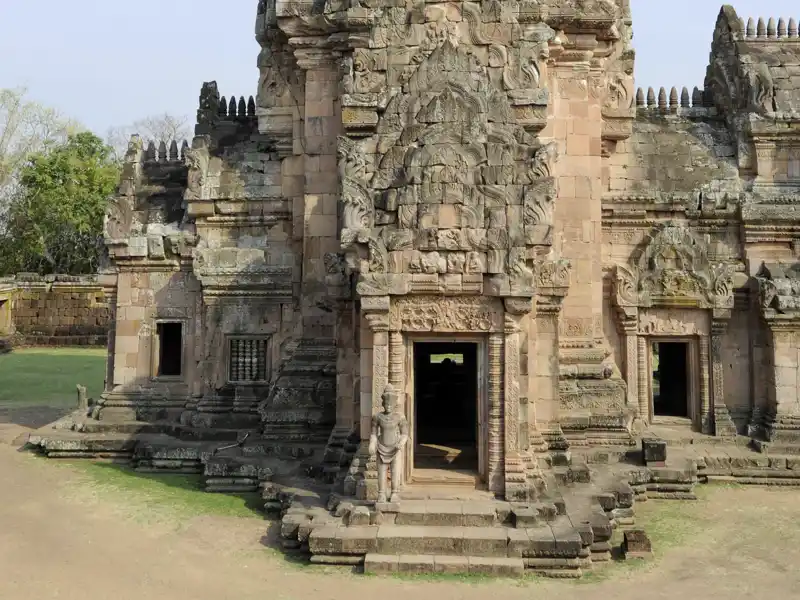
782	28
772	28
651	98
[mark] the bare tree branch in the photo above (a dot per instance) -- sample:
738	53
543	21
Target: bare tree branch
26	127
164	127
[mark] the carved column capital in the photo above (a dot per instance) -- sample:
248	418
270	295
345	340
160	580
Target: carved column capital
518	306
310	59
511	323
378	321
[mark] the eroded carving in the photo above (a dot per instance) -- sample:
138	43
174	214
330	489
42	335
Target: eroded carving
673	268
421	313
387	440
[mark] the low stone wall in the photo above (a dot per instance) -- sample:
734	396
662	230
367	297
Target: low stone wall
55	310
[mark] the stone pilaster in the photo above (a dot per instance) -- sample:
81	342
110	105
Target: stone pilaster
515	488
723	424
705	376
496	441
364	470
397	375
643	375
630	336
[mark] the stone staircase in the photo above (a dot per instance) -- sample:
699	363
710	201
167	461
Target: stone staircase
447	529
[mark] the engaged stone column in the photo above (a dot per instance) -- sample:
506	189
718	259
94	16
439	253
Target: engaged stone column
514	469
376	313
495	474
723	424
630	328
643	375
705	409
396	364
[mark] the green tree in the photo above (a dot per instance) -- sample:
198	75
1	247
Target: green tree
54	221
26	127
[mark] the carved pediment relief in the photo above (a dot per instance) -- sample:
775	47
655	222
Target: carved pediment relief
673	269
450	183
779	288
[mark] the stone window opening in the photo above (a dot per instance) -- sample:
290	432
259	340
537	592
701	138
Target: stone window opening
248	360
169	354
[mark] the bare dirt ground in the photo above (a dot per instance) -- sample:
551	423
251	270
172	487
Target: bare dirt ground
61	539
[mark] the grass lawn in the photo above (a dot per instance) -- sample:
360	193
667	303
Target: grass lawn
176	498
48	376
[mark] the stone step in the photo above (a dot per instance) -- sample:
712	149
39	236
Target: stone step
445	477
431	563
577	473
554	540
451	513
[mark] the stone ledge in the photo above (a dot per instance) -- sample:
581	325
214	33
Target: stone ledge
381	564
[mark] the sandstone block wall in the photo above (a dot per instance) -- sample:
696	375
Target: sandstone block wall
58	311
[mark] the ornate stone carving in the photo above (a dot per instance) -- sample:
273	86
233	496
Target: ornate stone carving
387	440
673	269
451	166
197	159
119	218
422	313
779	289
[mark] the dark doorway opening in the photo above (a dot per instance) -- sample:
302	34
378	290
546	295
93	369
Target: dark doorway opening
446	405
170	349
671	379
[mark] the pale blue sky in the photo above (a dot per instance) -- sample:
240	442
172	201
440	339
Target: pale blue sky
110	62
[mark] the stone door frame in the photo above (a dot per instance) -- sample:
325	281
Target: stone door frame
498	319
696	406
482	398
639	326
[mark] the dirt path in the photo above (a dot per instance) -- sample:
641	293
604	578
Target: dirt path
57	540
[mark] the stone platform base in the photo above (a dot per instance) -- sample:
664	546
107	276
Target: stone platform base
381	564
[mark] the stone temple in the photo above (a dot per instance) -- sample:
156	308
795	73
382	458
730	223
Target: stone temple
470	205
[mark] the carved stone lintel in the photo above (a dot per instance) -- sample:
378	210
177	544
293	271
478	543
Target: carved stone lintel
424	313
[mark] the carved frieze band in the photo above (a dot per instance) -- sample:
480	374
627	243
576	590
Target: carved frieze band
442	314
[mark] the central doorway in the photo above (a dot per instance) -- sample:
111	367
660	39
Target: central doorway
446	412
671	380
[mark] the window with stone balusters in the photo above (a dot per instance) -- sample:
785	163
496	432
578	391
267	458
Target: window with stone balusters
248	360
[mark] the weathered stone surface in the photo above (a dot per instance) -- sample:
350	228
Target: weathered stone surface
654	452
636	544
455	171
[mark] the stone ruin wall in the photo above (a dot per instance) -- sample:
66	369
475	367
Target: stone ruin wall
709	161
58	310
239	234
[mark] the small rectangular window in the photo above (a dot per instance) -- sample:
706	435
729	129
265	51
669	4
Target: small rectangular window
170	349
248	360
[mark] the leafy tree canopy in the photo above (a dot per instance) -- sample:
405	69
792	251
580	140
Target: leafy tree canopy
54	222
